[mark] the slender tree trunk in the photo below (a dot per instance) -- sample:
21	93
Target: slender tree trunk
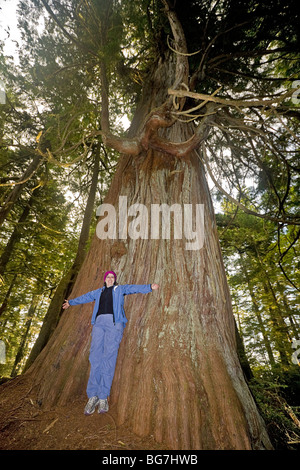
266	339
178	376
66	284
289	313
8	294
15	237
280	332
257	313
21	350
13	195
242	355
279	328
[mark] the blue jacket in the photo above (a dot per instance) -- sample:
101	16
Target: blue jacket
118	299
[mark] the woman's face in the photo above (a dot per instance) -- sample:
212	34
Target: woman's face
110	279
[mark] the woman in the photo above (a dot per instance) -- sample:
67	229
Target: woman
108	320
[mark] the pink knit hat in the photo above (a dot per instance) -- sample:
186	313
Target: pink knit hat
110	272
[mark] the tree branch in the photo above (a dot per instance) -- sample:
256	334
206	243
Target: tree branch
182	63
232	102
61	26
295	220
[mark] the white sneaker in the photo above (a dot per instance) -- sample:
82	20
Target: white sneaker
91	405
103	406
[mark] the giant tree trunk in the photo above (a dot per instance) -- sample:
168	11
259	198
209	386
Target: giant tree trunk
178	376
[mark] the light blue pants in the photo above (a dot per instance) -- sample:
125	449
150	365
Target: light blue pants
106	338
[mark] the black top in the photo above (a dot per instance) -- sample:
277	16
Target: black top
106	301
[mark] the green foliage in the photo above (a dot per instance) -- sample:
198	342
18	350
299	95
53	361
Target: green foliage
265	303
52	103
264	297
272	392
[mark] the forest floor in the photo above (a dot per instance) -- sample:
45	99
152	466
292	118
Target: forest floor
24	425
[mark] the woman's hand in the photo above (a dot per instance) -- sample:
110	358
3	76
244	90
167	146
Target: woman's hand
154	286
65	304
